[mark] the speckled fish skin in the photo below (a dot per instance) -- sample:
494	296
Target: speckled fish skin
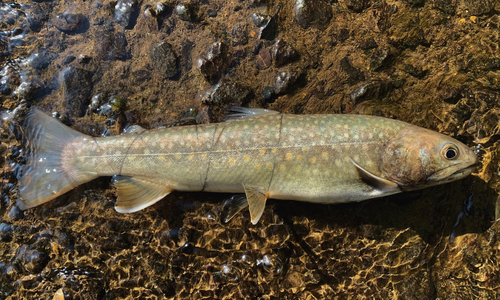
313	158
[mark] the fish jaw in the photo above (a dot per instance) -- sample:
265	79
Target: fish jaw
417	158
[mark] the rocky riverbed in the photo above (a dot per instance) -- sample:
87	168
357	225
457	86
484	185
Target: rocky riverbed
101	66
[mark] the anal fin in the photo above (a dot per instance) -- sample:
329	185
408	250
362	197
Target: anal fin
256	202
136	193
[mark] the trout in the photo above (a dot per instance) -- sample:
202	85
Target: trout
262	153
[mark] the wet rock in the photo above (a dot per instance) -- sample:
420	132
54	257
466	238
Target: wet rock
268	93
450	92
416	2
228	93
283	53
446	6
477	7
358	5
111	46
83	59
239	34
284	81
371	90
76	84
258	2
68	59
164	59
71	23
126	13
214	62
406	31
354	74
368	44
187	10
258	19
31	260
6	231
312	13
15	213
211	13
415	71
263	58
268	31
41	60
380	58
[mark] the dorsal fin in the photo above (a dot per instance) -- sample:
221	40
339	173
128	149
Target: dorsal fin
238	112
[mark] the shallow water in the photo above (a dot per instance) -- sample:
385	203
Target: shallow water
101	66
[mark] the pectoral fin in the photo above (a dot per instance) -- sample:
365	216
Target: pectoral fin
234	205
256	202
136	193
378	183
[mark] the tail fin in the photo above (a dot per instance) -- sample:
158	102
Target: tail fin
44	178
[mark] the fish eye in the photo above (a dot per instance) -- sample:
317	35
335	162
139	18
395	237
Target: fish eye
450	152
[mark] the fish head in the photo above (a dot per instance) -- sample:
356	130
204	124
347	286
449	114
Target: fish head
418	157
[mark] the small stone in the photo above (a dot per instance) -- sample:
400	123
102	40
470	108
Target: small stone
71	23
42	60
313	13
5	232
211	13
214	62
284	80
269	30
187	10
228	93
126	13
354	74
77	88
283	53
83	59
372	90
164	59
268	93
239	35
15	213
379	58
264	58
358	5
258	19
368	44
68	59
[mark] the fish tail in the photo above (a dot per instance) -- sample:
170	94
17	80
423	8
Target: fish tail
45	176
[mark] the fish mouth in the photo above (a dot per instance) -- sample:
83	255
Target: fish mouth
445	175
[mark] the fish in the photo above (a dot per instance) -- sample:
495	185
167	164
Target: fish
323	158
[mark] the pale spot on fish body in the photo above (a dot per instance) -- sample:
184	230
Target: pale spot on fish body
262	151
274	151
324	155
313	160
178	156
338	163
190	157
289	156
232	160
282	168
257	166
246	157
299	157
269	166
146	151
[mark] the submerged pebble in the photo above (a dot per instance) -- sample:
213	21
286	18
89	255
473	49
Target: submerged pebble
283	53
164	59
69	23
214	62
312	13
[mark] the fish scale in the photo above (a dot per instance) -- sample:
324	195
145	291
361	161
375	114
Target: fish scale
313	158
